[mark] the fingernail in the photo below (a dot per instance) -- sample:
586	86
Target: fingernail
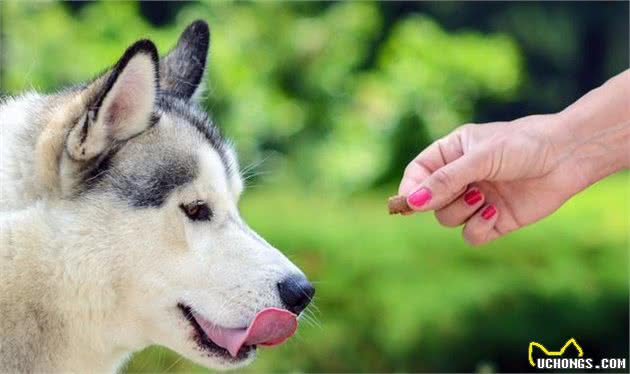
472	197
488	212
419	198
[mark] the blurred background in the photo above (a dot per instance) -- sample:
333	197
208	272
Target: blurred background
326	103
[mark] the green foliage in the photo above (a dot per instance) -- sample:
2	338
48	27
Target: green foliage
317	90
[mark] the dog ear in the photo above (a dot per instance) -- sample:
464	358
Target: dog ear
182	69
120	103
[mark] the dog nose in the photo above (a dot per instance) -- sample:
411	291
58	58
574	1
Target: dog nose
296	292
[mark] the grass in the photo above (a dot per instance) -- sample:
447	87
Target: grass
404	294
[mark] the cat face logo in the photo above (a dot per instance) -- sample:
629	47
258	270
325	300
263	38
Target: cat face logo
553	353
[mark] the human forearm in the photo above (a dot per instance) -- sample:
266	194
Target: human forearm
594	132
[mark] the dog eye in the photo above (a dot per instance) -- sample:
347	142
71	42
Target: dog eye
197	211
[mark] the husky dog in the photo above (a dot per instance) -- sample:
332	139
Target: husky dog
119	226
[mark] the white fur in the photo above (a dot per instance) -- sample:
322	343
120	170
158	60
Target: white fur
16	153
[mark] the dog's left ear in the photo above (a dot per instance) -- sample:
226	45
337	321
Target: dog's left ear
119	105
181	70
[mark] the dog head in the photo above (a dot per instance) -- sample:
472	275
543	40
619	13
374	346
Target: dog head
159	186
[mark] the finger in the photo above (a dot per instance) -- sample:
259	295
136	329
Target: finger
460	210
480	227
438	154
447	182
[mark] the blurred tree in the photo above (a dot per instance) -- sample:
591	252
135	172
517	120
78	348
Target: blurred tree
2	50
569	48
329	90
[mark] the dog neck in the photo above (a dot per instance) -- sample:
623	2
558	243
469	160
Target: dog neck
60	306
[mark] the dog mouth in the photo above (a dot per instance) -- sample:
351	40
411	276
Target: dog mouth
270	326
203	340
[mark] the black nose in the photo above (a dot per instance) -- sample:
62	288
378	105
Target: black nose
296	292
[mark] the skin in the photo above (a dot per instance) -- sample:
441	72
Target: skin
523	170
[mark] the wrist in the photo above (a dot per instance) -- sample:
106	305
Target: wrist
595	141
592	136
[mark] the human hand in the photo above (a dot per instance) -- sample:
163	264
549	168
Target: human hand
495	178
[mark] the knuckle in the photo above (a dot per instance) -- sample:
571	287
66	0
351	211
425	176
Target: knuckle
443	142
443	179
465	129
409	168
472	240
473	236
500	140
446	219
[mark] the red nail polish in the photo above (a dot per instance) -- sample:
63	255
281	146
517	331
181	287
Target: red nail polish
472	197
488	212
419	198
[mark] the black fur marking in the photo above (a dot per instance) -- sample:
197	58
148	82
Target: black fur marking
142	182
181	70
84	130
155	118
151	188
141	188
96	169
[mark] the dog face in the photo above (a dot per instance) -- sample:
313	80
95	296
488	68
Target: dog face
147	170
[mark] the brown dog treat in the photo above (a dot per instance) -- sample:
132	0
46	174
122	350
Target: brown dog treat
398	204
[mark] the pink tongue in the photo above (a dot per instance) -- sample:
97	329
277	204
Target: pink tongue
271	326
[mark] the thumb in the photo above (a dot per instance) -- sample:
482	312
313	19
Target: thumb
448	182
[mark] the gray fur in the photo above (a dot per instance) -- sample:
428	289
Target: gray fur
148	184
151	188
144	170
